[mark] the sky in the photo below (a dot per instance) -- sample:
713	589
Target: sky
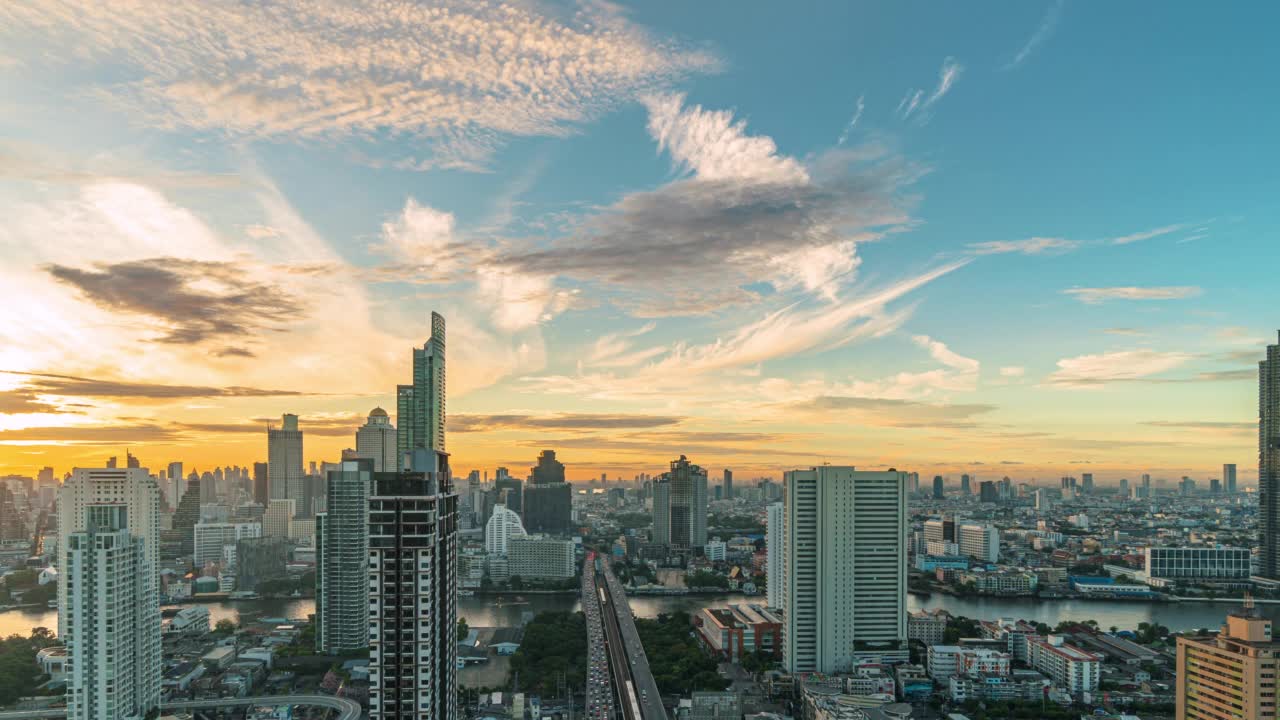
1030	239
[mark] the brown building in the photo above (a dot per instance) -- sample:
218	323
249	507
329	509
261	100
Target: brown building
1231	675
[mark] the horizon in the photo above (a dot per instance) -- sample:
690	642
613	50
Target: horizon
1029	242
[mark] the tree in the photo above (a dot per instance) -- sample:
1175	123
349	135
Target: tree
462	629
225	626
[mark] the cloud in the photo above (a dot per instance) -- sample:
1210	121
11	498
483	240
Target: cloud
617	349
1012	371
898	413
462	76
1043	32
191	301
22	400
1098	295
853	121
469	422
1030	246
667	447
1099	369
132	391
1146	234
1131	332
1205	425
740	214
916	100
88	434
326	425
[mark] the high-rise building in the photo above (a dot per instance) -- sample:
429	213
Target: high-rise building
284	461
686	504
1231	674
261	490
1086	483
773	547
1146	486
1269	461
548	499
541	558
661	488
108	592
844	594
420	407
412	605
376	440
964	485
277	519
342	557
938	491
259	559
509	491
215	542
185	516
981	542
728	484
502	526
13	528
987	492
1229	478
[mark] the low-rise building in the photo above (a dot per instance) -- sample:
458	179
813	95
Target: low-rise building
1017	685
541	558
928	626
1070	668
740	629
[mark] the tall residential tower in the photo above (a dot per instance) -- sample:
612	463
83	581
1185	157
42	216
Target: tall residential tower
845	568
108	592
1269	461
376	440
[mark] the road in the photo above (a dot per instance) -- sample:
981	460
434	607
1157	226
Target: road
600	690
627	652
347	709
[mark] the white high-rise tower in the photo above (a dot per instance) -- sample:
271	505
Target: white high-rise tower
845	568
109	601
284	462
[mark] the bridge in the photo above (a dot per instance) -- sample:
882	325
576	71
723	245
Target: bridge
346	709
634	688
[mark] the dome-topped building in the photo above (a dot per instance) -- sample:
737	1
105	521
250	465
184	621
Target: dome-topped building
376	440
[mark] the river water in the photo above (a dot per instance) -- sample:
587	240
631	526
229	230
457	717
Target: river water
495	612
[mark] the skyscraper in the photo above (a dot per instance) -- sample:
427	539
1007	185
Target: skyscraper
412	607
548	499
773	547
1269	461
1086	480
502	526
284	461
261	490
342	557
662	510
844	594
685	506
964	485
376	440
728	484
1228	675
1229	478
938	491
420	407
108	591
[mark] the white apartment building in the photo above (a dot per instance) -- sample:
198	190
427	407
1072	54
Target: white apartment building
541	558
715	550
1200	563
503	525
342	560
980	542
1069	667
845	575
927	627
212	540
108	592
948	660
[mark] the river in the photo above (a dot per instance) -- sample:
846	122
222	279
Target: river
495	612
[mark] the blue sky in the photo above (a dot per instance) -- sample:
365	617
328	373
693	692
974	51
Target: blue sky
1030	236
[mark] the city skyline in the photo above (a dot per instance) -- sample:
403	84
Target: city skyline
945	262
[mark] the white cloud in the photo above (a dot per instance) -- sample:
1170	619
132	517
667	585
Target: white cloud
712	145
853	121
617	349
1013	371
943	354
1043	31
915	100
462	75
1087	371
1098	295
1146	234
1030	246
